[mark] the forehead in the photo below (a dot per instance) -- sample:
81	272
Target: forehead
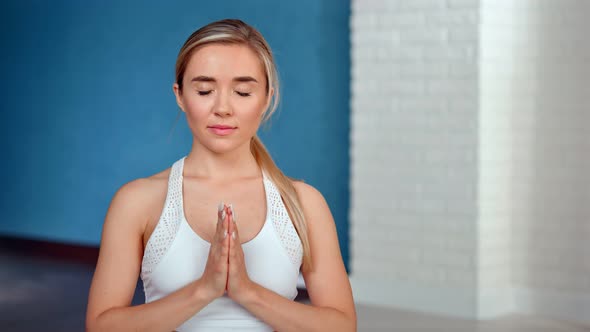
225	62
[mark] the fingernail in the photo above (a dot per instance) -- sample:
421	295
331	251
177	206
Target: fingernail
223	215
220	210
233	235
224	234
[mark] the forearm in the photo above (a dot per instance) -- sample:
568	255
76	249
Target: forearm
165	314
286	315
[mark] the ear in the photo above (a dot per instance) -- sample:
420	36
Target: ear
271	93
178	94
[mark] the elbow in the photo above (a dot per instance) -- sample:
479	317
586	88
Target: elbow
94	323
341	321
348	321
349	324
353	325
90	326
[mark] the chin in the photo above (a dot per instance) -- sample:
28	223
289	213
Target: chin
221	147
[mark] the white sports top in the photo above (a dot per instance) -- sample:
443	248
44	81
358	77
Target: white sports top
175	256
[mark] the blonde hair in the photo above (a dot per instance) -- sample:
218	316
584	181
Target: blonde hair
231	31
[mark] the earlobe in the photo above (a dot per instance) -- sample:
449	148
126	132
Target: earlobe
178	94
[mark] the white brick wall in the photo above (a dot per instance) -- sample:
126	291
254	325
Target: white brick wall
470	141
414	151
534	134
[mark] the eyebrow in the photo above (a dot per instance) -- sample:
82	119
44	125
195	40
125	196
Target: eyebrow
236	79
245	79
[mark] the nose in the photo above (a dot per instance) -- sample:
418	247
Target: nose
222	105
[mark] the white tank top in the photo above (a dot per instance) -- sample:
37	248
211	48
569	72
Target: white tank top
175	255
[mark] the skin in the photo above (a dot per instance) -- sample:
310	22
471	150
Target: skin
223	84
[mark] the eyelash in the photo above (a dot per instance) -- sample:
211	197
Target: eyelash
242	94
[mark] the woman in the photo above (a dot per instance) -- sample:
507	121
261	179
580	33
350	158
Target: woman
232	265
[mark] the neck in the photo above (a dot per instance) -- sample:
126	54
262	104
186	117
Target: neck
238	163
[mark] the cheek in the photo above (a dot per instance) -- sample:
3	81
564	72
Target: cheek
253	113
198	108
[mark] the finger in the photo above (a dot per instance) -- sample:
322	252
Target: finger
233	221
226	221
219	247
236	236
220	209
225	237
234	240
220	231
230	223
232	213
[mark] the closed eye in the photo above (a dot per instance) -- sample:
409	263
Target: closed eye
204	93
243	94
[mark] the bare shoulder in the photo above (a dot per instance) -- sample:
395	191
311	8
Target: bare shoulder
139	199
306	191
142	190
313	202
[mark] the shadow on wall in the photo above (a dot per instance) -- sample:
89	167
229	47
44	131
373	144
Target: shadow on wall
554	233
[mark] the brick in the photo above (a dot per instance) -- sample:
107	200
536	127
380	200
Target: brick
468	119
454	4
422	35
453	18
421	5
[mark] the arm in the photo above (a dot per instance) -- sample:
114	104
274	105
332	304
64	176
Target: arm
286	315
165	314
118	268
327	283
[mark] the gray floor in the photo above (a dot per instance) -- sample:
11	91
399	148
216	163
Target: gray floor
382	319
44	294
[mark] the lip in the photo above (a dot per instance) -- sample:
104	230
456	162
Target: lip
221	130
222	127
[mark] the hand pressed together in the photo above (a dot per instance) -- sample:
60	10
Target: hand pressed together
238	282
225	270
214	277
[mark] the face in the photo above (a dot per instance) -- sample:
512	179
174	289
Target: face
224	96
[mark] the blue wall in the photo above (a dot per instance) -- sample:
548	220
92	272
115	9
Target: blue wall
87	105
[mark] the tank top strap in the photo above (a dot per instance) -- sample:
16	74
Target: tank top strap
283	225
170	219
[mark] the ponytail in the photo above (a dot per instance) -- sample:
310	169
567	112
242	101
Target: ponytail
288	194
